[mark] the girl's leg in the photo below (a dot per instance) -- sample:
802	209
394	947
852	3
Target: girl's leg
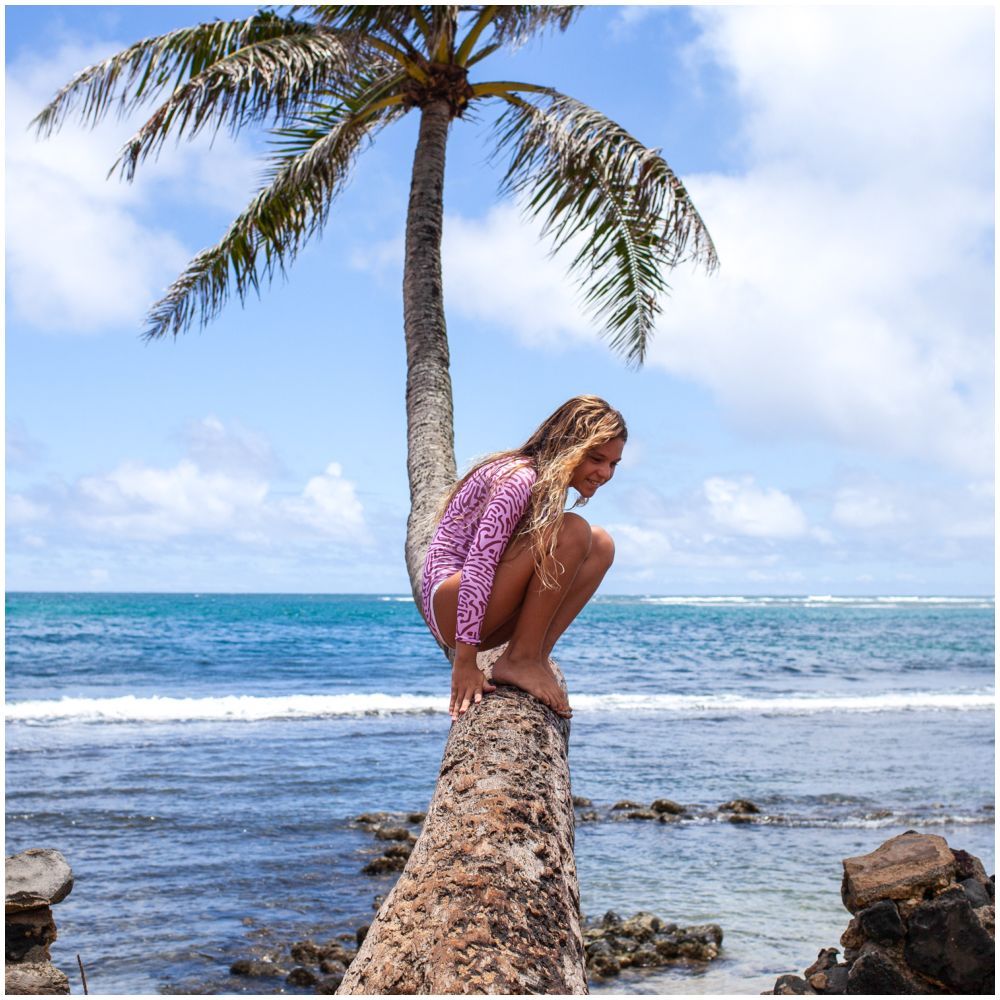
521	611
588	579
524	663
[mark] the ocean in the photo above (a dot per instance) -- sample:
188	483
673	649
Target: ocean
199	760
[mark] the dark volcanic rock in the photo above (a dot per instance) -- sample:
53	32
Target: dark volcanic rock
645	941
305	952
875	971
667	806
947	942
976	892
826	959
254	968
924	922
881	922
330	983
300	976
579	800
394	833
739	806
386	863
627	804
792	986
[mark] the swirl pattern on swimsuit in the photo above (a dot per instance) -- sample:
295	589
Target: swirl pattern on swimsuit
472	535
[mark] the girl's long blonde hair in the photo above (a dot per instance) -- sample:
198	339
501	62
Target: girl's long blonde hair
555	449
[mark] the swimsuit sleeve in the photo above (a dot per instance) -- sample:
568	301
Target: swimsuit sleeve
505	508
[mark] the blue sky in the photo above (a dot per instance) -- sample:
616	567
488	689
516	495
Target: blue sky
815	418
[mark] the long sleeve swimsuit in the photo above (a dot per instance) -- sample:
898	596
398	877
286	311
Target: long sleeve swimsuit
472	536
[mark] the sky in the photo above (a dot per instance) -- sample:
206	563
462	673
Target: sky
816	417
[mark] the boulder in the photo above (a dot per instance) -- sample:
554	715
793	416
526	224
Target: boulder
301	976
946	941
34	978
394	833
739	806
902	868
881	922
877	970
29	934
36	877
923	922
667	806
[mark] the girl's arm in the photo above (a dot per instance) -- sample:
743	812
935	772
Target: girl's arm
504	510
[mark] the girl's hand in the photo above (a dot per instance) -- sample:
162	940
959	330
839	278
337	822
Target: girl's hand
468	685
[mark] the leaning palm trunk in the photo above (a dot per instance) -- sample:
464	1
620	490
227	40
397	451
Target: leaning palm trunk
489	900
430	439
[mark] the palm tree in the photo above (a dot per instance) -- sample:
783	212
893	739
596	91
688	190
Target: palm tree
328	78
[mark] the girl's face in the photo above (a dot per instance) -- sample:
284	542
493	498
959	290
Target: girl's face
597	467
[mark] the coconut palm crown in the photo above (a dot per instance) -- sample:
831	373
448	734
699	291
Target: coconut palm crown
327	79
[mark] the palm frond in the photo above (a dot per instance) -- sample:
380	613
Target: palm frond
269	77
513	25
313	162
386	20
142	71
585	175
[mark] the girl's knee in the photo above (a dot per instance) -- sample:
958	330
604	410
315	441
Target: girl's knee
602	546
575	532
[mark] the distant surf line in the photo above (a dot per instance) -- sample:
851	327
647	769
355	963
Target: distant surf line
253	708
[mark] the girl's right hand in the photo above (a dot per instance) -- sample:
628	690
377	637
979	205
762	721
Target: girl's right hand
468	685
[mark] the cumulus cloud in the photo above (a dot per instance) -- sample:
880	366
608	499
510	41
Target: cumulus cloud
854	301
82	254
205	496
855	294
746	509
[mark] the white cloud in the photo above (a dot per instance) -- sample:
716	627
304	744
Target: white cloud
21	510
741	507
498	273
858	509
216	493
215	445
854	301
329	505
854	298
82	252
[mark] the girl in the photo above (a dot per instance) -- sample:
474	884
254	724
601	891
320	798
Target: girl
508	564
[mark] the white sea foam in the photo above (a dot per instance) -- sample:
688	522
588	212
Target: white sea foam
249	708
819	600
409	599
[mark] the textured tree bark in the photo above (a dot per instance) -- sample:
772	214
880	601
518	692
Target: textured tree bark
430	461
489	900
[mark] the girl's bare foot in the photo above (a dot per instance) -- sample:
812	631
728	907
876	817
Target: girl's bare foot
535	677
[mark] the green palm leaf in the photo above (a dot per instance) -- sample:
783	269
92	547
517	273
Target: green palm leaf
513	25
270	77
149	66
312	163
584	174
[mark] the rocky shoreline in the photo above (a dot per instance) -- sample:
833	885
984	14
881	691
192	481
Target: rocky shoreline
922	919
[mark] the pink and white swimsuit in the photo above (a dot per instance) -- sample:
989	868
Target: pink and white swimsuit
472	536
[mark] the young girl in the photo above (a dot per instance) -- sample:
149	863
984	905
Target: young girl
508	564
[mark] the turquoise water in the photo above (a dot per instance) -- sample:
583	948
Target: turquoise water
198	759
